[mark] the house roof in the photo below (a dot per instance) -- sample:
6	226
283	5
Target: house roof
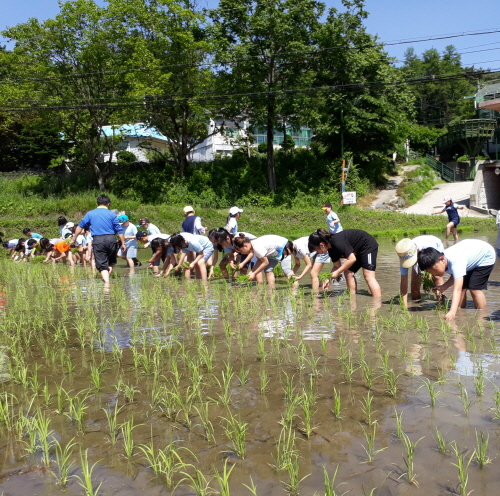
138	130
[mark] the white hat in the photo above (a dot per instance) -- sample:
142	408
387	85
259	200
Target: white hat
447	199
188	208
69	224
235	210
407	252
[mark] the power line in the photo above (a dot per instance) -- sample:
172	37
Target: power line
264	94
232	62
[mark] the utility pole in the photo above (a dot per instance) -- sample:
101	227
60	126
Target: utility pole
342	146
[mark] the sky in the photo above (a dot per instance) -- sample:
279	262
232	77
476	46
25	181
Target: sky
391	20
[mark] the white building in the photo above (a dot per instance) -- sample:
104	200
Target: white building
233	137
138	138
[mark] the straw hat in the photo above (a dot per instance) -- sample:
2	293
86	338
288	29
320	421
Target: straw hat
407	252
187	209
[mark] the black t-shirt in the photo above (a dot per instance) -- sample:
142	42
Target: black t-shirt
351	241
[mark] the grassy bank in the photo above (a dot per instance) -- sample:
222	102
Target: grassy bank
41	216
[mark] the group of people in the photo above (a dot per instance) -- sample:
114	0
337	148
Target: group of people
195	250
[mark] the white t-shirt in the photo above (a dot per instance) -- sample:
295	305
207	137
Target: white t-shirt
232	226
158	235
270	246
302	248
128	231
467	255
80	240
422	242
336	227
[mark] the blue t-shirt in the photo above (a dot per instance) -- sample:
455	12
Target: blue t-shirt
101	221
336	227
36	236
452	212
196	243
467	255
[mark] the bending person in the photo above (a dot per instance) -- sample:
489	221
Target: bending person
200	245
358	248
407	250
270	250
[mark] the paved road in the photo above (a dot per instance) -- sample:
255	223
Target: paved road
459	192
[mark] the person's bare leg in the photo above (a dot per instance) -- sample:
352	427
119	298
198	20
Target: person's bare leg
259	278
187	274
316	269
438	281
105	276
463	299
373	284
416	280
270	278
448	230
130	262
455	233
479	298
223	267
351	281
202	268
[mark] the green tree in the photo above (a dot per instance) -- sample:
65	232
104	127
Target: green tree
265	49
78	77
439	103
166	39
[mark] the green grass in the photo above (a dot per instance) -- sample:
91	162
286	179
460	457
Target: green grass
413	191
18	210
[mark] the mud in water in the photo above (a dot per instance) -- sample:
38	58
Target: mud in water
245	379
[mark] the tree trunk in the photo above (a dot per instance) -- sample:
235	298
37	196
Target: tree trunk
271	173
100	177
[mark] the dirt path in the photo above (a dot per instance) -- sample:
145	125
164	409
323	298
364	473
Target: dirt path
388	195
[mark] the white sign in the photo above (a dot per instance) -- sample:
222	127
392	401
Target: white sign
349	197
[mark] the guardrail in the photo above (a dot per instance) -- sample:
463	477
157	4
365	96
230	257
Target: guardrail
446	173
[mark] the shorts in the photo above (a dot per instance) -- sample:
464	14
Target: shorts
286	264
455	221
324	259
130	253
477	278
227	249
367	262
207	253
105	248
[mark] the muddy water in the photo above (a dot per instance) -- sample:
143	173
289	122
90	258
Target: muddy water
165	350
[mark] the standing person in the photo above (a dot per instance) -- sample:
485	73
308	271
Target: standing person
232	220
332	219
270	250
104	227
470	264
407	250
129	232
358	248
451	210
148	227
200	245
192	223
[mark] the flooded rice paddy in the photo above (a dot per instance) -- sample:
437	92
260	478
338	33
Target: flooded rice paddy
162	386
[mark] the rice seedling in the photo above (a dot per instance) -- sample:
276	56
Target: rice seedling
224	397
366	408
223	479
129	391
252	488
431	388
464	398
128	441
481	451
63	462
399	423
368	373
293	482
348	367
330	482
285	448
166	463
96	372
41	425
441	443
205	422
243	377
307	403
479	380
236	430
409	458
113	426
337	406
370	450
86	480
288	387
198	483
289	414
77	407
264	381
462	464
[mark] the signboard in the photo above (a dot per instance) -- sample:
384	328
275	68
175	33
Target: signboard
349	197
